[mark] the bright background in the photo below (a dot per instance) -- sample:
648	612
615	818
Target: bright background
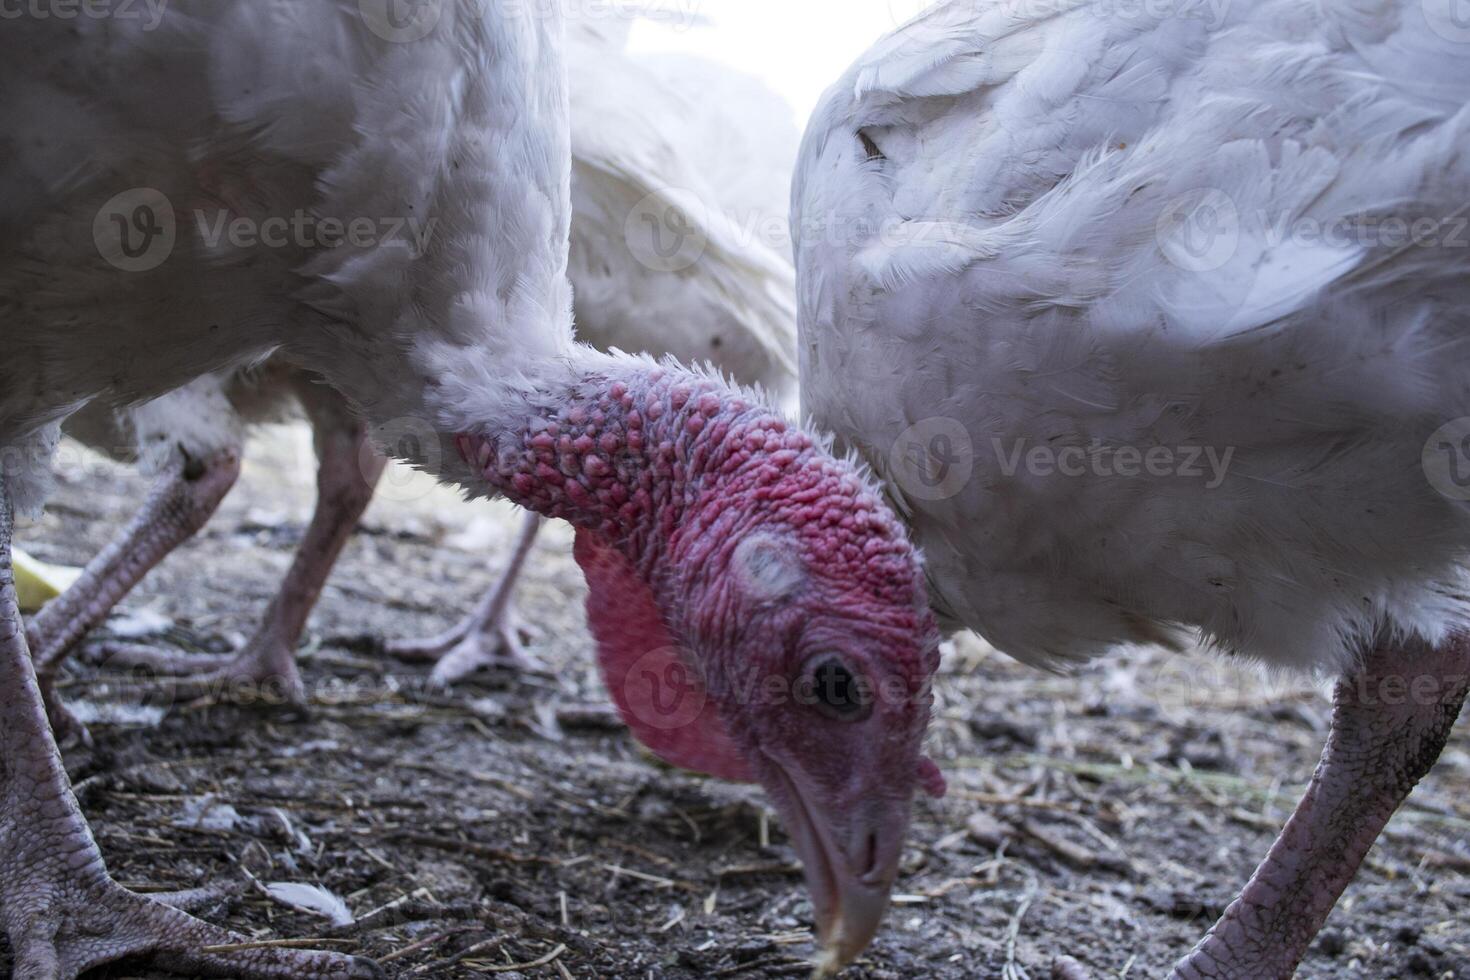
798	47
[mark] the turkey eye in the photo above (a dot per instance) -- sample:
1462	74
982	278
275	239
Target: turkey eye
837	692
870	147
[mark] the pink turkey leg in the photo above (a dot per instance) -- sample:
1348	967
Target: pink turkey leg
59	907
179	504
488	636
347	472
1391	718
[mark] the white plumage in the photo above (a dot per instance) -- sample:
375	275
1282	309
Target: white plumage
349	310
1122	304
661	143
635	135
1084	232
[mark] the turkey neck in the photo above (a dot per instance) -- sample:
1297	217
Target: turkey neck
655	460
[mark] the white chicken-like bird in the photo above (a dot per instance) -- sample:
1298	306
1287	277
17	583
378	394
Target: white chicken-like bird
1151	320
718	539
642	148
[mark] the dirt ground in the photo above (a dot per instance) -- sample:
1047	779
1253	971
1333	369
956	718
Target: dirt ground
511	828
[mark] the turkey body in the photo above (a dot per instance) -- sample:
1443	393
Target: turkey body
1156	281
1160	324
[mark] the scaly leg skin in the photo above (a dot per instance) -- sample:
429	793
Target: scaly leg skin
179	505
1391	719
61	910
488	637
265	669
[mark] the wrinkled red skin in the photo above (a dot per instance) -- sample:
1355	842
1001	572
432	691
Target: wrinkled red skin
673	470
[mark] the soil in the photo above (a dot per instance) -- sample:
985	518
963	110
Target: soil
1109	816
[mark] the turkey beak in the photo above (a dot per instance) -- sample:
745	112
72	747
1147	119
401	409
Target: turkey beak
849	880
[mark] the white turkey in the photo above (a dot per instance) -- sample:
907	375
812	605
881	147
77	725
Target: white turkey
717	538
1152	320
642	148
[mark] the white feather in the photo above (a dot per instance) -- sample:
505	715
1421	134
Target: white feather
1020	263
312	899
636	134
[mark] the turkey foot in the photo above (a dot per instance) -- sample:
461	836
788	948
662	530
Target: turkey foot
490	636
263	670
59	907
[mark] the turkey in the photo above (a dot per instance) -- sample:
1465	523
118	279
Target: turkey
640	147
1156	324
725	548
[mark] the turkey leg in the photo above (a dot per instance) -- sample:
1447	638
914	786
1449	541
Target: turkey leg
59	907
1391	719
265	668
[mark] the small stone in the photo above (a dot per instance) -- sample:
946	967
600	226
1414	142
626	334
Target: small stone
1331	943
1421	964
987	831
